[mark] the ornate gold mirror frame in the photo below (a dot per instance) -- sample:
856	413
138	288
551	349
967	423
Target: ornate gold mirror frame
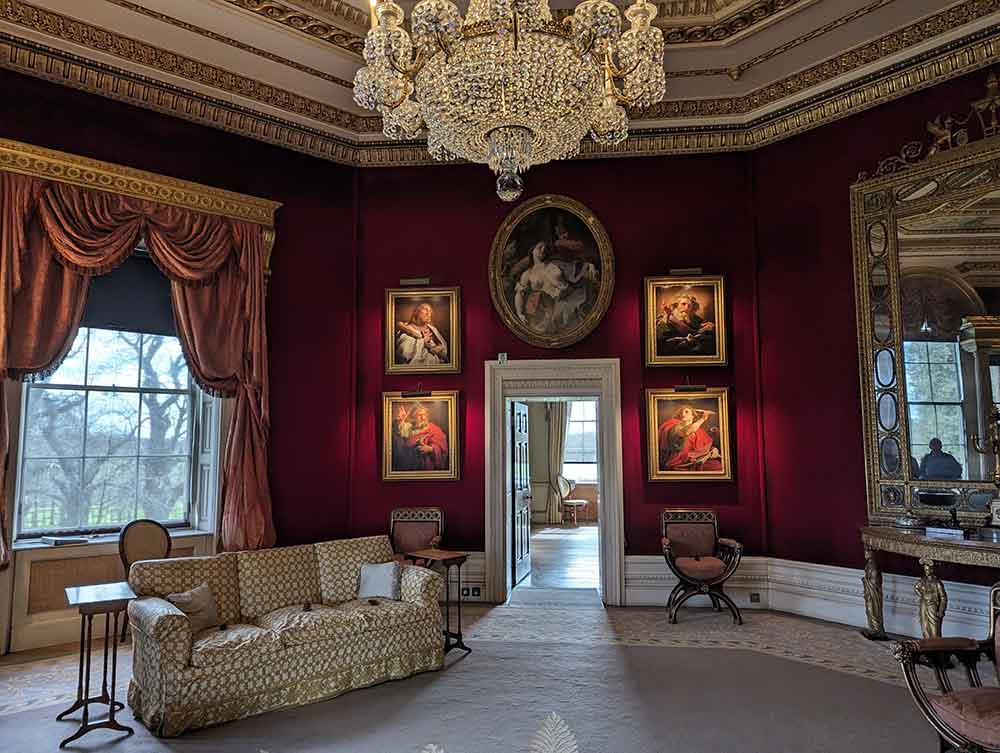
960	166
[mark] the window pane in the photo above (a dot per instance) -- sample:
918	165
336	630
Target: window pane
580	472
73	368
950	424
54	423
923	425
163	488
112	424
113	359
941	352
163	364
165	420
918	383
915	351
51	491
945	384
109	491
995	383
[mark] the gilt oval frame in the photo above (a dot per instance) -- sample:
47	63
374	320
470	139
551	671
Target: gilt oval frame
607	281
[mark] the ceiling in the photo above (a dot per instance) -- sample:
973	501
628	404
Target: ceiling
740	73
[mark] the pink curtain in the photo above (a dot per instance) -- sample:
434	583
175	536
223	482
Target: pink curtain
54	237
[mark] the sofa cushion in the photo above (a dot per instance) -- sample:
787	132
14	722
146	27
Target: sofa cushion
340	565
292	625
701	568
973	712
162	577
199	605
236	642
272	578
381	581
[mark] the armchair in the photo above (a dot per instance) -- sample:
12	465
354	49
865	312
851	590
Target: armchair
966	720
701	560
413	528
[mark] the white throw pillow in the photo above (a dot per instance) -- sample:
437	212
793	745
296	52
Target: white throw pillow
380	581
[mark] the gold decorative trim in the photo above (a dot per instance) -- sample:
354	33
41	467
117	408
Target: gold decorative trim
209	34
49	164
136	51
317	28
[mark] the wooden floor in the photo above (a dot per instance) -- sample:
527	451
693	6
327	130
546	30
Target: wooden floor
563	557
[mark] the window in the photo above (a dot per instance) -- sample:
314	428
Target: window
934	397
580	455
118	432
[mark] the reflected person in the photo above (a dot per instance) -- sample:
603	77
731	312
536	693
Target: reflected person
938	465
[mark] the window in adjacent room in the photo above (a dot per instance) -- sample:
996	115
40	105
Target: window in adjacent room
934	398
119	431
580	455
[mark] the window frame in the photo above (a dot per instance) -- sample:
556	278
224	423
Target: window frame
963	448
204	425
595	423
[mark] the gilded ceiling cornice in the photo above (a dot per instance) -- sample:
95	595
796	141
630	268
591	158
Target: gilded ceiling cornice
317	28
962	56
209	34
139	52
857	57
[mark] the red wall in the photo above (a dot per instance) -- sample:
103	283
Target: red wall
660	213
776	222
311	293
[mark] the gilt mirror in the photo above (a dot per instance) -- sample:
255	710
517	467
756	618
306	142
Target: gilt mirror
926	232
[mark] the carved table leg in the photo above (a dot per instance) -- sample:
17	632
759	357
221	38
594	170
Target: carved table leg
933	600
873	598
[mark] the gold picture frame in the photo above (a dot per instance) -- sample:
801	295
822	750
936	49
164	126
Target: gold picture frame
693	447
420	436
686	320
434	312
575	252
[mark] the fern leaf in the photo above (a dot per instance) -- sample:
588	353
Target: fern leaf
554	736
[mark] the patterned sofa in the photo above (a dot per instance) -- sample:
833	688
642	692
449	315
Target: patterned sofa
271	652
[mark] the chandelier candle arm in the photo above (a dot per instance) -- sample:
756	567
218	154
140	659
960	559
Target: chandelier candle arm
506	86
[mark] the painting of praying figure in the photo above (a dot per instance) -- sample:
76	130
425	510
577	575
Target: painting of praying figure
422	331
419	436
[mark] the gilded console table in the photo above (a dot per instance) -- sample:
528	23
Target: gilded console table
928	550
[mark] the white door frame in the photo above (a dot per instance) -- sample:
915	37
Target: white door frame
584	377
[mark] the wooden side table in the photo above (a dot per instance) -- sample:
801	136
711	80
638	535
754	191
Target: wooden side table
452	639
111	600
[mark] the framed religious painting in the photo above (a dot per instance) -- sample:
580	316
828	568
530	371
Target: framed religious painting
552	271
688	434
685	321
423	331
419	436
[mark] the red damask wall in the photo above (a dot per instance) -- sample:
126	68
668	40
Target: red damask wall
776	222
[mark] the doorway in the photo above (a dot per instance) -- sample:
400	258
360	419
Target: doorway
555	497
527	546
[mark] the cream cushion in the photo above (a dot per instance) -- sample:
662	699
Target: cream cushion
199	605
340	565
214	646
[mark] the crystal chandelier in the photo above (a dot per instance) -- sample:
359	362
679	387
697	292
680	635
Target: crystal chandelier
507	86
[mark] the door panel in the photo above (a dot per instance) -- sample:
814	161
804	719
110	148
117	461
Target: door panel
520	491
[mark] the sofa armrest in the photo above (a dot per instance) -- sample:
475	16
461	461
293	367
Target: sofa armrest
421	586
164	624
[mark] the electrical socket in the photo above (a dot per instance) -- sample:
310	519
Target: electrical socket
755	598
475	591
465	592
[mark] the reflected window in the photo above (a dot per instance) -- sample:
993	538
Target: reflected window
580	455
934	394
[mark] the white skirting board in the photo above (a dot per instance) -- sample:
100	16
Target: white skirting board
821	591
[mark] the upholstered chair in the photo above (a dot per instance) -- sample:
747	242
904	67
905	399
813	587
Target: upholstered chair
966	720
414	528
142	539
701	560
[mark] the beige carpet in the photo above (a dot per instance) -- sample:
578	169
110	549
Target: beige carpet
623	680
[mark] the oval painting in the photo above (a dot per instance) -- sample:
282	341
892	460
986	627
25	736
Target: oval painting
552	271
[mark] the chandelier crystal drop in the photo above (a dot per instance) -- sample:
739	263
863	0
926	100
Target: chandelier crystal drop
507	86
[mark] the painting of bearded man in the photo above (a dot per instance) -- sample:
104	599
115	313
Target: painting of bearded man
685	321
688	434
419	436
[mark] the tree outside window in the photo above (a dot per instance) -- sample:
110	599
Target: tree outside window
934	397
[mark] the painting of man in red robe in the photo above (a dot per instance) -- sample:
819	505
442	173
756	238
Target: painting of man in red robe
685	442
421	437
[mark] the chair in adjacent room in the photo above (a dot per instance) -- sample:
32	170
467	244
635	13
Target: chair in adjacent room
570	507
142	539
966	720
415	528
701	560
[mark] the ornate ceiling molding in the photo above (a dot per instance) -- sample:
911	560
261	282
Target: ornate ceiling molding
209	34
136	51
317	28
960	57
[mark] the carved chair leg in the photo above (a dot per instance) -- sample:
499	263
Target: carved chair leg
733	609
679	602
674	594
715	602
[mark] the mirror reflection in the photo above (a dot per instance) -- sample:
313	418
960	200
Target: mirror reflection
949	260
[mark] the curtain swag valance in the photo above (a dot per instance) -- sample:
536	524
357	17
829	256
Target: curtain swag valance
54	237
